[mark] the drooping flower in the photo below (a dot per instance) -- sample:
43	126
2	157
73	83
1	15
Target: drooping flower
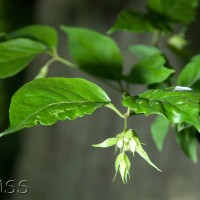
126	141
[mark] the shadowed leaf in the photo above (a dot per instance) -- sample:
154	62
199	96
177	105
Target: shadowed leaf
94	53
16	54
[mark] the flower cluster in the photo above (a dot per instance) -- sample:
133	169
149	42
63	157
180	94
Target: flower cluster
127	141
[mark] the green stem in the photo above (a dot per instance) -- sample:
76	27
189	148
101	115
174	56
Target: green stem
126	115
65	62
58	58
125	124
112	107
44	69
50	61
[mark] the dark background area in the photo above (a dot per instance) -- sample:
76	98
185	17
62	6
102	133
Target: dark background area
58	161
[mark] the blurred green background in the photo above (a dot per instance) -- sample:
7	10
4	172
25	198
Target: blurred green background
58	161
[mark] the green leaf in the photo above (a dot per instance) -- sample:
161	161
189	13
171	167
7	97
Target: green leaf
159	130
42	33
107	143
46	100
144	51
134	21
190	73
95	53
148	71
187	140
176	105
16	54
183	11
142	153
196	86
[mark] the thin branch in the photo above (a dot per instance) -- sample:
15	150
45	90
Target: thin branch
65	62
112	107
44	69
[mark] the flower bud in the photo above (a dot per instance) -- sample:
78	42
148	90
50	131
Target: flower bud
126	140
126	147
132	145
120	144
122	164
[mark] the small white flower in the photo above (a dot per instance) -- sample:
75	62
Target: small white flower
126	147
122	164
126	140
120	144
132	145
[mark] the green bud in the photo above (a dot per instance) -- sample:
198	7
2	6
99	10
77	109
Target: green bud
120	143
122	164
126	146
132	145
126	140
177	42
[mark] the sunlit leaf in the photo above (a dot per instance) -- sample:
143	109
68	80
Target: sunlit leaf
46	100
176	105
